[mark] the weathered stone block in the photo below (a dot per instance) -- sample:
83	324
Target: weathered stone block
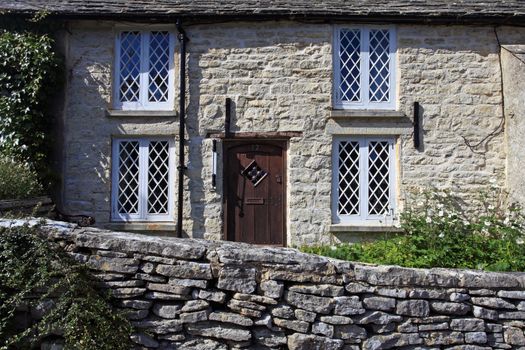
449	308
272	289
165	296
336	320
220	331
188	283
377	317
122	265
194	317
269	338
443	338
237	279
298	341
298	326
312	303
350	332
324	290
322	328
304	315
186	269
215	296
514	336
416	308
168	288
283	311
476	338
168	311
379	303
348	306
195	305
395	340
467	325
229	317
255	298
495	303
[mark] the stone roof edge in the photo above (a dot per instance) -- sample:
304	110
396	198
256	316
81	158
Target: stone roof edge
516	19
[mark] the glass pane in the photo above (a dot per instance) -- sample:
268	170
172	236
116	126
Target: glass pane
379	78
350	61
128	177
129	66
158	177
378	178
348	203
159	48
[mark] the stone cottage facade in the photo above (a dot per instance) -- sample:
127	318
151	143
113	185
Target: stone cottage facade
303	122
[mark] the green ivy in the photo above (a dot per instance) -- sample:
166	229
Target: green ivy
37	273
29	76
441	231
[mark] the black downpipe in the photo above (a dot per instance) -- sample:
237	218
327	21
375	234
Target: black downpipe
182	115
417	141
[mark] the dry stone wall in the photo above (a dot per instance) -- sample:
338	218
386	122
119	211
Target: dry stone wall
197	294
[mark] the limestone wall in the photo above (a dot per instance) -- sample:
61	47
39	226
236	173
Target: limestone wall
197	294
279	76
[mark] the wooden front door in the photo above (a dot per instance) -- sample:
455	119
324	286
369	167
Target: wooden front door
255	188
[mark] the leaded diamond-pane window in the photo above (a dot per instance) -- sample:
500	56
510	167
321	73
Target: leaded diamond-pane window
142	179
159	65
158	177
348	203
144	70
364	68
364	179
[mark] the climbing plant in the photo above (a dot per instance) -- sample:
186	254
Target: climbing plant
37	276
30	72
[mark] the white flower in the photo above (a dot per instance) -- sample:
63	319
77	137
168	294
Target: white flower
490	207
428	220
506	221
440	213
440	205
441	235
333	247
487	223
465	222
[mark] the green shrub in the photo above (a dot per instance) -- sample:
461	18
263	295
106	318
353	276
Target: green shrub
439	231
18	181
34	271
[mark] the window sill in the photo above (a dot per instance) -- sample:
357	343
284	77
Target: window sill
364	228
141	226
365	113
140	113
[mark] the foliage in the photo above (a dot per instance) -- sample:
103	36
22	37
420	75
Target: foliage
18	181
29	75
36	272
441	232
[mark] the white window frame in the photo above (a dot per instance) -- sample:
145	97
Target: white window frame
364	102
143	103
143	214
363	217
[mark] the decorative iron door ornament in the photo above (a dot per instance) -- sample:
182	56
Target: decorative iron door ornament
254	173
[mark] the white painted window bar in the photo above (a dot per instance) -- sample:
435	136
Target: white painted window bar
142	179
144	71
364	68
363	184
